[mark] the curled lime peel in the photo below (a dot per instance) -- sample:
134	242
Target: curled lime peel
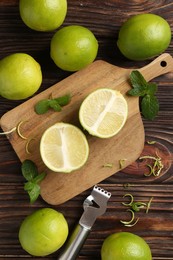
149	204
133	224
129	223
147	157
108	165
150	171
136	206
8	132
27	145
122	163
157	166
18	129
131	199
127	185
151	142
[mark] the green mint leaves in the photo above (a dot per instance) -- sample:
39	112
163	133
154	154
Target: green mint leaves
145	90
30	173
55	103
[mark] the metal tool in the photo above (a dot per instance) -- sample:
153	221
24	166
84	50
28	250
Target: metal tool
94	205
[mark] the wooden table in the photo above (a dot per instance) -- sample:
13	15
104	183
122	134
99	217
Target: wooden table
104	18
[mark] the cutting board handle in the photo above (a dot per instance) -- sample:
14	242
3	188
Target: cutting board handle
161	65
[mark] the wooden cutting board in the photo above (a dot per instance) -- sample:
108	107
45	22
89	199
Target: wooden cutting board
127	145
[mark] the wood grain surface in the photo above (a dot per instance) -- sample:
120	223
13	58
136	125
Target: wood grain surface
104	18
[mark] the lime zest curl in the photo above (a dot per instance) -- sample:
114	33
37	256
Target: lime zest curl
19	131
131	220
20	134
134	207
129	223
151	142
149	204
27	145
154	169
108	165
8	132
131	201
122	162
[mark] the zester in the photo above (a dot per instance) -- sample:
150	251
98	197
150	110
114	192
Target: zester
94	205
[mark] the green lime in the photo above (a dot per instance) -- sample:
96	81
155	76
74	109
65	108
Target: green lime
20	76
144	36
125	246
43	15
43	232
73	47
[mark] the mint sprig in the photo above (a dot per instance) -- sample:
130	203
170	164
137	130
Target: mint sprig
145	90
30	173
56	104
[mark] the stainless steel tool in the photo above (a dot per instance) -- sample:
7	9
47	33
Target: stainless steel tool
94	205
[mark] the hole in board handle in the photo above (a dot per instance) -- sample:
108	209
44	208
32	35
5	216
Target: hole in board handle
163	63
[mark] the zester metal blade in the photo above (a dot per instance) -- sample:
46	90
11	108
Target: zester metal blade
94	205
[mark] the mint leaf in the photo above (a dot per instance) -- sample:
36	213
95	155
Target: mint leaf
42	106
54	104
28	186
137	92
29	170
146	90
30	173
64	100
34	193
39	178
137	80
150	106
152	88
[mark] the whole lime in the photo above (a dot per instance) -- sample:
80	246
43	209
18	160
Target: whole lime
144	36
20	76
43	15
43	232
125	246
73	47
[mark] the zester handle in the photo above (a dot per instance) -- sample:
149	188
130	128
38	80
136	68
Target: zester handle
75	243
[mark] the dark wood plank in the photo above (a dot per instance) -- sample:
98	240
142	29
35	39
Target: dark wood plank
104	18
